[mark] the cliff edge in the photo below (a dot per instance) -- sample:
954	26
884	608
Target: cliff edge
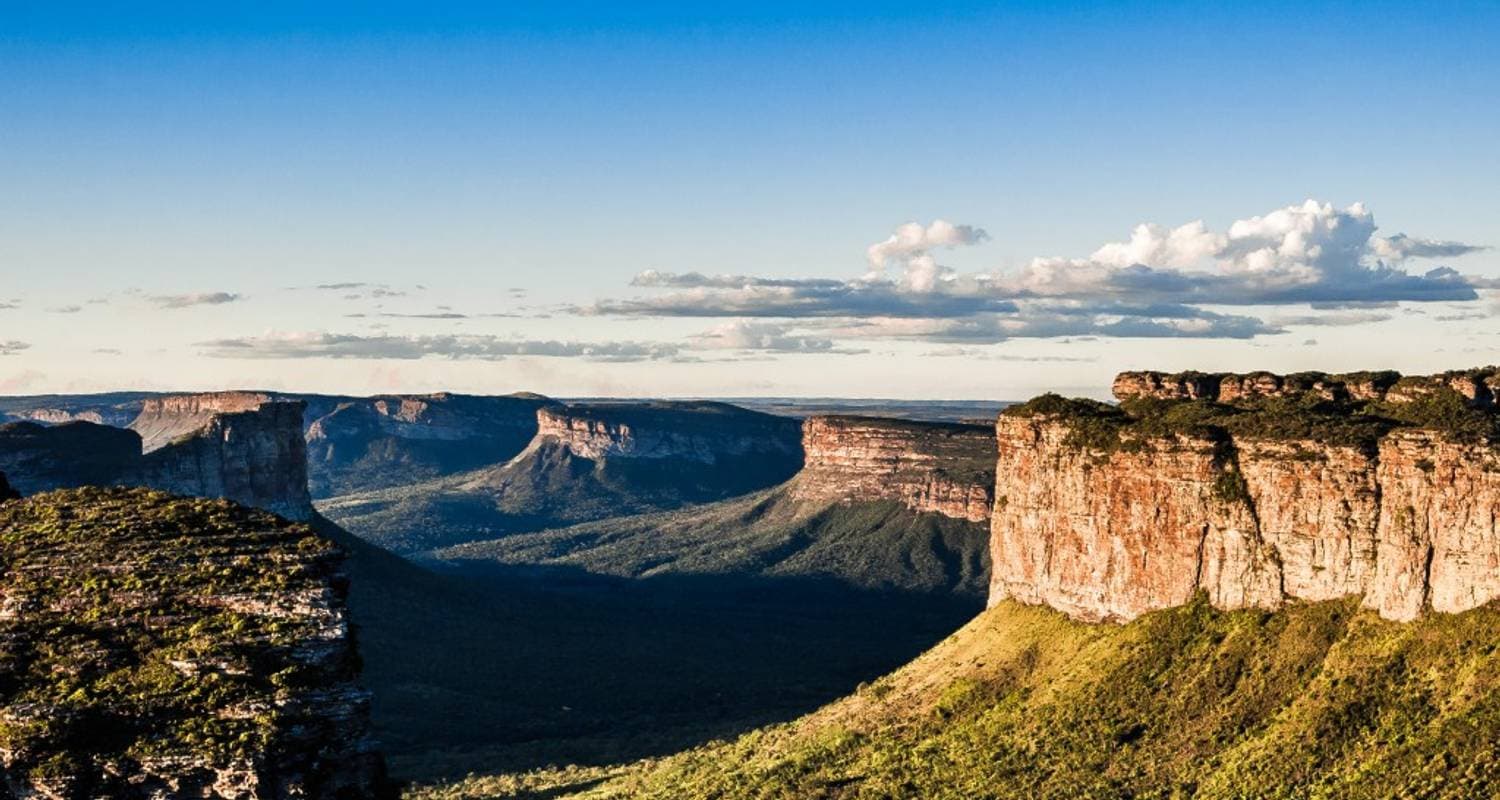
159	646
1255	490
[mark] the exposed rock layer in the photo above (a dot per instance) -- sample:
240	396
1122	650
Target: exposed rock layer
938	467
1479	386
155	646
707	433
255	456
1410	520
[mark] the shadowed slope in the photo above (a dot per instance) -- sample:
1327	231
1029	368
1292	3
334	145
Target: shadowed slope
1314	701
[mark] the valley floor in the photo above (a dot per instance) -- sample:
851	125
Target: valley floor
1315	701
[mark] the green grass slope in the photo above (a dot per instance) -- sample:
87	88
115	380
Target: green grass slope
878	546
1315	701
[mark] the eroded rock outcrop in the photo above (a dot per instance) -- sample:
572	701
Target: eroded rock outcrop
943	468
686	431
255	455
1478	386
156	646
1387	487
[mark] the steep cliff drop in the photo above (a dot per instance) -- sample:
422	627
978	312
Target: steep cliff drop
234	445
159	646
1253	489
879	504
586	462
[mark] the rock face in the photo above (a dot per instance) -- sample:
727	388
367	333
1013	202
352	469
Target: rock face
371	443
1479	386
1106	517
708	433
165	419
207	653
255	456
943	468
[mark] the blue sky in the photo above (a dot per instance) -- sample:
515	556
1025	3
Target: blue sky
497	178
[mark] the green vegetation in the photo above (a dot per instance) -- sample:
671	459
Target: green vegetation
879	546
139	625
1315	701
1304	416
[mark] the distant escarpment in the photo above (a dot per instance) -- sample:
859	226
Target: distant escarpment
375	442
158	646
944	468
586	462
1255	490
226	445
882	504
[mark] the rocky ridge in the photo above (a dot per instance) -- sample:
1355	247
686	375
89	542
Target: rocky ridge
1254	489
943	468
157	646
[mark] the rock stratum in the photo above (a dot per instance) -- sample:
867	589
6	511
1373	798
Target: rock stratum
1254	490
943	468
158	646
239	446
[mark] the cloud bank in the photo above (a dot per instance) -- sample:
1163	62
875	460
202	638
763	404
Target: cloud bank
1160	282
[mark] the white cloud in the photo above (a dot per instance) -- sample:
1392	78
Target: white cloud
910	249
1183	246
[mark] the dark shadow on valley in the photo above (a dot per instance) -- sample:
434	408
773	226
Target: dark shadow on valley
499	668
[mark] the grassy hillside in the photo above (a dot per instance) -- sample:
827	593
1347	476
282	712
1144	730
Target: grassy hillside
880	546
1316	701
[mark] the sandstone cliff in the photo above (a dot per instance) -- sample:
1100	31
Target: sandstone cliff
165	419
254	456
155	646
708	433
944	468
1254	490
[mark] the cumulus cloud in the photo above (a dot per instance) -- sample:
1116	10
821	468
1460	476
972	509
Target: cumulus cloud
469	347
1160	282
195	299
12	347
910	248
1183	246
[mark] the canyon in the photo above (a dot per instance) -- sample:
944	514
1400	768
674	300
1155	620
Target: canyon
1255	490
